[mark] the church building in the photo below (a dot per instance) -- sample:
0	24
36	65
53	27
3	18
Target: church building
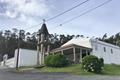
74	50
77	48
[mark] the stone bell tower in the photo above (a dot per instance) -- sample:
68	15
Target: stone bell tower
43	44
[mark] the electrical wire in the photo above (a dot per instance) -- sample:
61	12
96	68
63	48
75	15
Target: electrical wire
67	10
74	17
62	13
83	13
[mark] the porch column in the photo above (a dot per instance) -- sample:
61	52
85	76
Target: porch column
80	55
74	54
86	53
62	52
48	49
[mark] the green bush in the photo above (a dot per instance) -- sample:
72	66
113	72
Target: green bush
56	60
92	64
101	62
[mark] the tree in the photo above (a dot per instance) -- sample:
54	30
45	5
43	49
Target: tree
22	35
114	39
104	37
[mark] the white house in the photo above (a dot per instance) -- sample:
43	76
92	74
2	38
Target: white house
77	48
110	53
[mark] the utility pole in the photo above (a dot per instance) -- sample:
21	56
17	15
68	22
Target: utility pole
17	62
38	50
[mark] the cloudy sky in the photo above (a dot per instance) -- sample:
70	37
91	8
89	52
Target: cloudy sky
28	14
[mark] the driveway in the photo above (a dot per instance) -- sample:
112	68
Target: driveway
9	74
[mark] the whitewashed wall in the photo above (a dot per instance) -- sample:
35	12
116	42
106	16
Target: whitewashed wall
9	63
109	58
26	57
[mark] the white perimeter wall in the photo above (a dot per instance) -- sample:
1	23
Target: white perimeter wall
109	58
26	57
9	63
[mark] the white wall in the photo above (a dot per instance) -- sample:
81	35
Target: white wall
108	57
9	63
26	57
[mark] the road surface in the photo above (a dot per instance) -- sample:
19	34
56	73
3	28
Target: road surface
9	74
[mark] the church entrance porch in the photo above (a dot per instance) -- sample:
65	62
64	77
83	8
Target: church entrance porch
73	53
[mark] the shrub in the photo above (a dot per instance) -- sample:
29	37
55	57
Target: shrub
92	64
56	60
101	62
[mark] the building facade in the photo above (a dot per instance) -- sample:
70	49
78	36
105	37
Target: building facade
110	53
77	48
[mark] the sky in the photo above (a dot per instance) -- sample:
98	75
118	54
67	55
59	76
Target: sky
29	14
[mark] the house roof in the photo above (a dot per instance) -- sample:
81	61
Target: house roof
43	29
67	47
75	42
84	42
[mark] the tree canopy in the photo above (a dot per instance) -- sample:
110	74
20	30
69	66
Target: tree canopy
27	40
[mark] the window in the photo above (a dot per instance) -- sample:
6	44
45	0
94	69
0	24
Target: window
96	48
104	49
111	51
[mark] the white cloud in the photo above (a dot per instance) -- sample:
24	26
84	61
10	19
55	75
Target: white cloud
26	7
11	14
33	8
27	20
24	11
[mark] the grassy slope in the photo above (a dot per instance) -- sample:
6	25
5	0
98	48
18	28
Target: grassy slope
112	69
76	69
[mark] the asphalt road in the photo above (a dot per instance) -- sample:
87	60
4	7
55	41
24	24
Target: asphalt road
8	74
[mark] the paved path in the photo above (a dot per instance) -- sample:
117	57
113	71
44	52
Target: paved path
8	74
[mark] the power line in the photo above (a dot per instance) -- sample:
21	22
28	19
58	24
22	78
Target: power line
62	13
84	13
67	10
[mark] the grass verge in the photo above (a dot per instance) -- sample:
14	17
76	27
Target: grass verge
77	69
73	69
111	69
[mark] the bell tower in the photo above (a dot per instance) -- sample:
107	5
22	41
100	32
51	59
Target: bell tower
43	44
